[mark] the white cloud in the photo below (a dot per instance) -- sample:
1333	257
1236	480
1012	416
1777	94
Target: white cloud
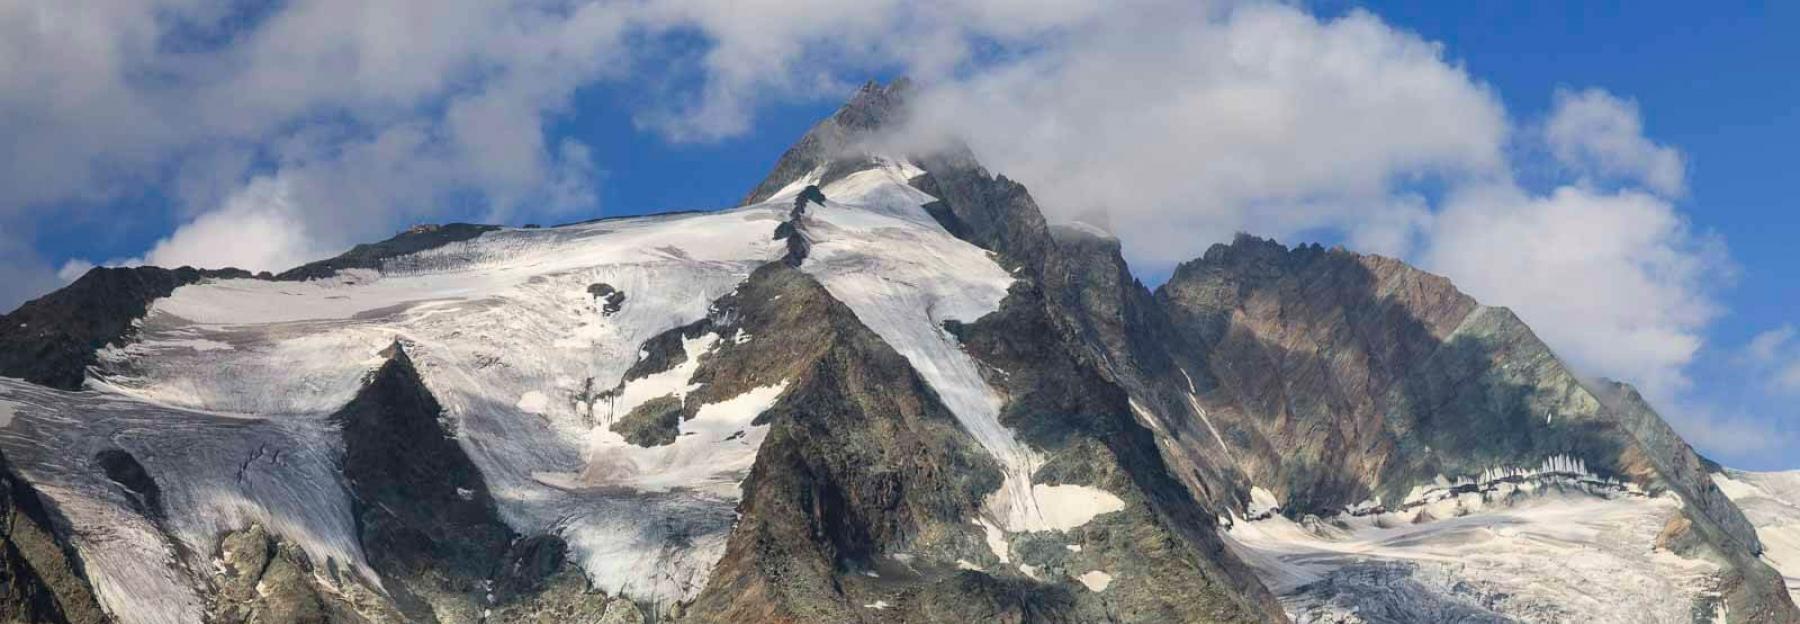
1599	134
1774	357
1788	378
1617	283
1769	345
1189	127
370	115
258	229
73	269
1766	443
332	122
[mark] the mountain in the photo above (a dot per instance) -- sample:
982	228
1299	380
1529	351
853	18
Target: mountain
883	389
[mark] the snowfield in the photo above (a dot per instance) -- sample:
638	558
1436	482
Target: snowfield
1552	552
1771	500
225	395
504	332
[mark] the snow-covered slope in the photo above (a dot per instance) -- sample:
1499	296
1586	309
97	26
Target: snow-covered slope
1551	552
1772	502
510	336
842	369
876	250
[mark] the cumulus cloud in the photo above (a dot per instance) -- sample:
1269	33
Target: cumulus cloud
1617	282
1187	128
310	125
1774	357
1602	135
1770	345
257	229
1767	443
364	115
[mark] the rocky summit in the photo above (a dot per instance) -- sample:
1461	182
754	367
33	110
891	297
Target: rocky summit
883	389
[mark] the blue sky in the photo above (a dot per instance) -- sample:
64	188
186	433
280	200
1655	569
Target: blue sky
1714	80
1483	141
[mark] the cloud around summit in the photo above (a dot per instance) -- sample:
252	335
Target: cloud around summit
283	132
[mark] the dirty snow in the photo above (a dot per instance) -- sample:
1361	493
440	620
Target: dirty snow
1095	580
1550	554
996	540
1262	503
231	471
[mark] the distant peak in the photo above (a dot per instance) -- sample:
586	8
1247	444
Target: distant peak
874	107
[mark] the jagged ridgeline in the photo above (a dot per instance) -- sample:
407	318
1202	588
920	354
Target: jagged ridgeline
883	389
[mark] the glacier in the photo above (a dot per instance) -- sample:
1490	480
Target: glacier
226	393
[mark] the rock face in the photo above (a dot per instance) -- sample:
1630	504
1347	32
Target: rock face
886	389
839	145
40	575
427	521
1339	381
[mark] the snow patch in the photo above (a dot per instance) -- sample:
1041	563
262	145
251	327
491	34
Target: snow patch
1195	403
996	540
1095	580
1062	507
1262	503
712	454
533	402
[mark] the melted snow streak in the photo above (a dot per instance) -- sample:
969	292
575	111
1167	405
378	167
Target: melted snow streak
1771	500
1541	548
876	250
226	394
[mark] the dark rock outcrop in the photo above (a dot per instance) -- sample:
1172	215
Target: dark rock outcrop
139	488
426	520
1334	377
838	143
610	299
261	578
1163	551
371	255
861	459
41	578
654	423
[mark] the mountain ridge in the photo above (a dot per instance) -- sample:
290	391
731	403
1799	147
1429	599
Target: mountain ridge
946	409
